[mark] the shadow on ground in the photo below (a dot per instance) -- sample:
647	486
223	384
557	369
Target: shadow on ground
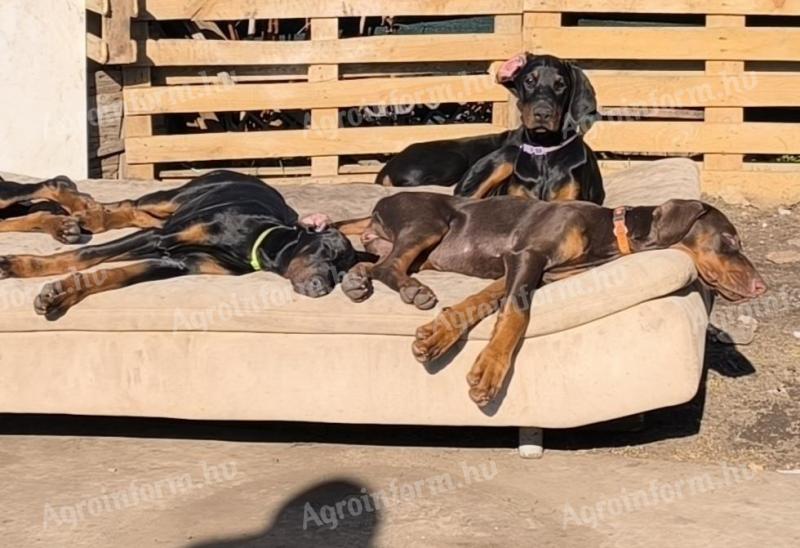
336	513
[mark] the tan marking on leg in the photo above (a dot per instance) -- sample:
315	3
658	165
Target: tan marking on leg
500	174
434	339
115	215
353	227
62	228
572	246
490	369
195	234
569	192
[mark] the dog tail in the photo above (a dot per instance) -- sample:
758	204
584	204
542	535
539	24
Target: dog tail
353	227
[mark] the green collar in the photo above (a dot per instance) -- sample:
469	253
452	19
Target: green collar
254	262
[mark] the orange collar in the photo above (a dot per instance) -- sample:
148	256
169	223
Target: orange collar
621	231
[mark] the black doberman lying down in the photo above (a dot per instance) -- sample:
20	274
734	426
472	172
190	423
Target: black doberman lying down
546	157
522	244
46	207
221	223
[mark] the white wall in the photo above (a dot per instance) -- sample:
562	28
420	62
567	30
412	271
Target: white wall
43	87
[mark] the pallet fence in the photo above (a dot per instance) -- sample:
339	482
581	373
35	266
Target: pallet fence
693	83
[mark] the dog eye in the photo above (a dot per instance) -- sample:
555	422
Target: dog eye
730	241
559	86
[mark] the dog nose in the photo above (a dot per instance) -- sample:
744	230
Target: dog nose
759	287
542	115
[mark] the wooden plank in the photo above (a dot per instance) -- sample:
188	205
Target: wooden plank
727	115
275	9
634	89
325	119
764	188
99	7
137	126
117	32
655	89
372	49
289	143
695	137
328	94
179	76
719	7
714	44
96	49
503	111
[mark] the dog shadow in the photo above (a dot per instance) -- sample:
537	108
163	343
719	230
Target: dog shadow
338	513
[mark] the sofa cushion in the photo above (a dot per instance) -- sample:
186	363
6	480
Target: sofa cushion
265	303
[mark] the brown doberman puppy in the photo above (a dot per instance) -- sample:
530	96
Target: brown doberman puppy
522	244
48	206
546	157
221	223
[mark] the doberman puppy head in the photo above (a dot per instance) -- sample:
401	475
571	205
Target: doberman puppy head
706	234
319	261
554	96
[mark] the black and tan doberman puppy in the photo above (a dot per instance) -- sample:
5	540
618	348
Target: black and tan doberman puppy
46	207
221	223
546	157
523	243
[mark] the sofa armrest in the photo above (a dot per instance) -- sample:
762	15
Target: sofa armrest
608	289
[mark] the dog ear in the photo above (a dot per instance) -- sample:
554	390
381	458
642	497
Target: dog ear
582	109
507	73
673	220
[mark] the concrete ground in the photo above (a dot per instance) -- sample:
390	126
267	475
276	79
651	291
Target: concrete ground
121	491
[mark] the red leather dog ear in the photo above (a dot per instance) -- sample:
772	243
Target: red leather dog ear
509	70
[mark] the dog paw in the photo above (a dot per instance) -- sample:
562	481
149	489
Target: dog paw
433	340
419	295
53	300
486	378
67	230
357	286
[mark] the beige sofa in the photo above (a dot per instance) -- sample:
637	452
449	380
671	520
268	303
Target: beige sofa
619	340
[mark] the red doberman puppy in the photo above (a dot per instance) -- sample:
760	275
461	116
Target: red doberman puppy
523	243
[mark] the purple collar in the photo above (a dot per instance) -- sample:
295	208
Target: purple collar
534	150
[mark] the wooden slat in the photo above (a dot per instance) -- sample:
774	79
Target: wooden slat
503	112
274	9
695	137
324	118
96	49
765	187
373	49
651	89
727	115
306	95
714	44
633	89
99	7
117	32
718	7
287	143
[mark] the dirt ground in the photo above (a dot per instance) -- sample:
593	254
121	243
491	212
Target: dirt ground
129	492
